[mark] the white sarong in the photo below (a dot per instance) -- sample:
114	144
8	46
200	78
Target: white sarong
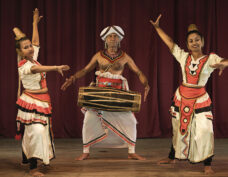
109	129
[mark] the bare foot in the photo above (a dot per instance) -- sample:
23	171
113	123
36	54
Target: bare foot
208	170
166	161
83	156
135	156
36	173
46	167
24	164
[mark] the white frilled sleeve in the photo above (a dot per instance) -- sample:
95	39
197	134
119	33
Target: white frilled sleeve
26	68
213	59
179	53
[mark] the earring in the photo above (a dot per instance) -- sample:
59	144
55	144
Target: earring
106	45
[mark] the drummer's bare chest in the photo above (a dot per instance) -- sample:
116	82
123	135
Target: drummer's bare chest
118	65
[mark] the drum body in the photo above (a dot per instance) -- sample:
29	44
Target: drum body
109	99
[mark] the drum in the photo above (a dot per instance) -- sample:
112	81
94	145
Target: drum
109	99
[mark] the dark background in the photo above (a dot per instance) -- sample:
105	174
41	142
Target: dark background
69	34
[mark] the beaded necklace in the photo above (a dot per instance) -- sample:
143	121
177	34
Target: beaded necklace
112	59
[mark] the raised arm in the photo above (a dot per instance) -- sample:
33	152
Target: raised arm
141	76
166	39
35	33
89	67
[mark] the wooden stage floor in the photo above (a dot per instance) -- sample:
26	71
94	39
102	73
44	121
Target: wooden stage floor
111	162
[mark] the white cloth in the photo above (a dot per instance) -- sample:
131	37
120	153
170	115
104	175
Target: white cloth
29	80
37	142
35	113
198	143
109	129
33	110
112	29
181	57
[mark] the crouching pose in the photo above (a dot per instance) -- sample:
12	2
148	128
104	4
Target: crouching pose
102	128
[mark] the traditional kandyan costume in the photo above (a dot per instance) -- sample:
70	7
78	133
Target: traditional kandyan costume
104	128
193	136
34	111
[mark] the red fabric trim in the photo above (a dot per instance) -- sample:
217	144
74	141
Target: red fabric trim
115	83
43	82
185	117
22	62
191	93
30	106
114	60
97	140
45	97
184	140
176	101
188	104
31	121
119	134
190	78
209	117
197	105
203	104
17	137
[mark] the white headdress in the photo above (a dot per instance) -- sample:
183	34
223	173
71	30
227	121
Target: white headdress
112	29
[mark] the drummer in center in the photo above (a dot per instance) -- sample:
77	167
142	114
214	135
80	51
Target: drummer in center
106	129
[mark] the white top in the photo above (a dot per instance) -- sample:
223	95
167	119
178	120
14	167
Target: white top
30	80
181	56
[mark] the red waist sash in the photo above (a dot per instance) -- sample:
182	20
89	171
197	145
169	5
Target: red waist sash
191	92
32	107
189	96
107	82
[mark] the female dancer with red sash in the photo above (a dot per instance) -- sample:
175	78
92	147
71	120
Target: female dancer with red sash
34	105
193	137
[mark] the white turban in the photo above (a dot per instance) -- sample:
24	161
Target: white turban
112	29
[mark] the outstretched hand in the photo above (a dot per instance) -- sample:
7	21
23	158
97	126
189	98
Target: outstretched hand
156	23
62	68
36	17
67	83
147	89
221	66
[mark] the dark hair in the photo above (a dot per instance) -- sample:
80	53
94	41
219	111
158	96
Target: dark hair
194	31
17	42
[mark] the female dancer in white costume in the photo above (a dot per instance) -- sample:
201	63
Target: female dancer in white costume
193	136
34	105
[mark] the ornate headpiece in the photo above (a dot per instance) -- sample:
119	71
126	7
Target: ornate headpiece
18	33
192	27
112	29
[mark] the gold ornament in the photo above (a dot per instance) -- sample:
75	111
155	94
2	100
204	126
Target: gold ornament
18	33
192	27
